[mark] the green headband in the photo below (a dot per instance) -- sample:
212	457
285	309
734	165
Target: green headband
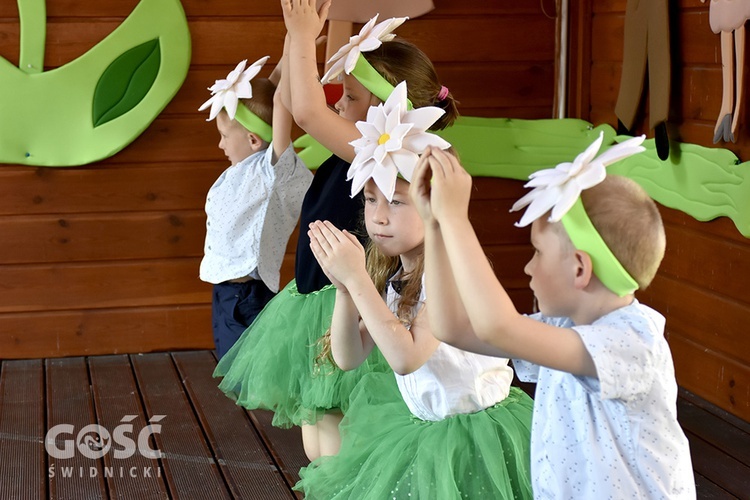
253	123
373	81
586	238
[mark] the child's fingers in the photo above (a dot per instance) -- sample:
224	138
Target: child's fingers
322	39
444	160
352	238
323	11
331	231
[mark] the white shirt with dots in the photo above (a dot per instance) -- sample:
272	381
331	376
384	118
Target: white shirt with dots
615	436
251	211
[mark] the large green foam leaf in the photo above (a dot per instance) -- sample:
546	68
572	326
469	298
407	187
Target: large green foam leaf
126	81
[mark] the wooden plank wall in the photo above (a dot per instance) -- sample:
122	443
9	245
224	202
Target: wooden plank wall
703	284
104	258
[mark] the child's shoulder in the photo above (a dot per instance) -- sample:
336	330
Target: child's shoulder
635	316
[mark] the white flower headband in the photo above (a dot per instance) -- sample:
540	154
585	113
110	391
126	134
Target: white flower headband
559	190
392	140
226	94
349	57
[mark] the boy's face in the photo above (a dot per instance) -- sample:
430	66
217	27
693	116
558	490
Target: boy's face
552	269
235	139
355	101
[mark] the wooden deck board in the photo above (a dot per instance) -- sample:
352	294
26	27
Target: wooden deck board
70	403
189	466
116	396
213	448
286	445
246	464
23	460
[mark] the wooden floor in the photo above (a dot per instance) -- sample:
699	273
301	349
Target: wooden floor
210	447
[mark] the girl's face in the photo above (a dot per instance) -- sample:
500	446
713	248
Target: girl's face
355	101
235	141
552	269
394	227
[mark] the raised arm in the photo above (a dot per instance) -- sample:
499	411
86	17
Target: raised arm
493	316
447	315
282	118
308	102
343	257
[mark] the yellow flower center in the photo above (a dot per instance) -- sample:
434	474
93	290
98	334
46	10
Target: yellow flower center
383	139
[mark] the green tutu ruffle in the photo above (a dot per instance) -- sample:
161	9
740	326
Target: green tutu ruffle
273	364
386	452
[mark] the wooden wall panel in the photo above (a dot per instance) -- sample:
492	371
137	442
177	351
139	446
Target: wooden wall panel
702	285
104	258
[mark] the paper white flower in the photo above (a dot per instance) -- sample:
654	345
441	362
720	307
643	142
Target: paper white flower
558	188
392	140
226	93
370	37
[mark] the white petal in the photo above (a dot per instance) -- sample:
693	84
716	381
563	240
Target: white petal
207	103
217	105
236	72
392	120
244	89
386	27
368	130
565	200
592	175
368	26
419	142
423	118
397	100
230	104
334	71
369	44
539	206
622	150
405	161
360	176
385	178
380	153
351	60
590	151
362	143
525	200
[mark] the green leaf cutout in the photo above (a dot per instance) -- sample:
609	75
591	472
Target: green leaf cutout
126	81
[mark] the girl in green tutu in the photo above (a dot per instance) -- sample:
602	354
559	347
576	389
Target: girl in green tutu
274	365
448	425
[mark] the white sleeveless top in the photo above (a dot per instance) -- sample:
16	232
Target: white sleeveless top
452	381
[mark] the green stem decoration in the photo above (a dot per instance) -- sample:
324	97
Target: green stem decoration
32	16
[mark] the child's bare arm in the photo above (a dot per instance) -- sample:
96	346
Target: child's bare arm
447	314
282	120
493	316
308	102
405	350
350	341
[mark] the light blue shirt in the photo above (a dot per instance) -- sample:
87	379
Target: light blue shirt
251	211
615	436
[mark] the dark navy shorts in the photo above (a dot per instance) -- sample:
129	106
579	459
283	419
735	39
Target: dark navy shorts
234	307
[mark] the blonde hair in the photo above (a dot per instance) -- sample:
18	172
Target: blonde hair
629	222
261	103
398	61
381	269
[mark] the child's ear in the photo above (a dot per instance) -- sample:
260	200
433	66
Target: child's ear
256	143
584	269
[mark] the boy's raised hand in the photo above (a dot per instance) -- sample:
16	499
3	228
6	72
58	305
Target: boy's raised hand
451	186
339	253
304	18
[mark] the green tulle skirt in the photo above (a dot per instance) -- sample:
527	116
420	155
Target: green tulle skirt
273	365
386	452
